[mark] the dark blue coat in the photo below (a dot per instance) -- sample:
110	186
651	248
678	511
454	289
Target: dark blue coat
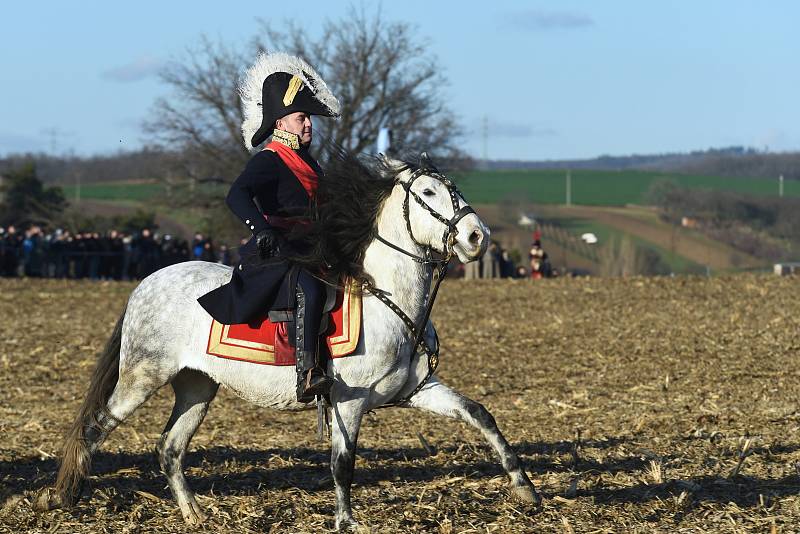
265	187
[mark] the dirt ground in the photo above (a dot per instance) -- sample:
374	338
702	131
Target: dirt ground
637	405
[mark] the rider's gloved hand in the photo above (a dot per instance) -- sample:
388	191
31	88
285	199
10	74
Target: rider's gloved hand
268	243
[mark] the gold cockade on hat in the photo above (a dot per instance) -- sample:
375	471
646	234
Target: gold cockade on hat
295	84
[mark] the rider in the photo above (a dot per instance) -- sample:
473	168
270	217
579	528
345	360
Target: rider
279	94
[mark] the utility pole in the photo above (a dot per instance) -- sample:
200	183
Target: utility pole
569	188
55	134
780	186
672	246
485	142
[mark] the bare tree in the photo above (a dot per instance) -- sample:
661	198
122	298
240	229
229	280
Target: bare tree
201	117
384	76
382	73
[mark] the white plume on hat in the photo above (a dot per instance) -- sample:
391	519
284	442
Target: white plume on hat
253	80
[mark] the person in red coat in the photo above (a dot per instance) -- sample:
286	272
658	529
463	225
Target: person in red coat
280	94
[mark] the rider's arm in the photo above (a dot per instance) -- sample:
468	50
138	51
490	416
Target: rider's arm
261	173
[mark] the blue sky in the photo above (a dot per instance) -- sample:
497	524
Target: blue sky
563	79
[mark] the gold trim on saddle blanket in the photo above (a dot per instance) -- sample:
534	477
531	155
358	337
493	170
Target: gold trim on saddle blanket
221	344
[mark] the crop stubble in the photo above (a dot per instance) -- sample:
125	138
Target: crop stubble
637	405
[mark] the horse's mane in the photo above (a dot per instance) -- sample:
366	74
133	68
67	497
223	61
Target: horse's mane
349	197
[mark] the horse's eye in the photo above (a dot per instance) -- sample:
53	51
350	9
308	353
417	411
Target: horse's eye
428	193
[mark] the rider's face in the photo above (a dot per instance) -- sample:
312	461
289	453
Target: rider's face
297	123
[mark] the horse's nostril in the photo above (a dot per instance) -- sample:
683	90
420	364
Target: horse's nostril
475	237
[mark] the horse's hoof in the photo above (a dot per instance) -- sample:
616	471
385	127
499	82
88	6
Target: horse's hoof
193	515
11	503
526	494
47	500
347	524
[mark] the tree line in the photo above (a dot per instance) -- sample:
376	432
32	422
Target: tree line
762	226
736	161
148	163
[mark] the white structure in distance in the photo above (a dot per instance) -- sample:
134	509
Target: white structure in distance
384	142
526	221
589	238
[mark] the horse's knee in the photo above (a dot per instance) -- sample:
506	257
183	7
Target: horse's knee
342	465
479	414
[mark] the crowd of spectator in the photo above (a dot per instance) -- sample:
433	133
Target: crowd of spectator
113	255
497	263
117	255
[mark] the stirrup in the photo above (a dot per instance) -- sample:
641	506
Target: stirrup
311	384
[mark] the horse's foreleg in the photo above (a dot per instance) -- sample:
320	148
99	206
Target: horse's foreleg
347	414
440	399
194	391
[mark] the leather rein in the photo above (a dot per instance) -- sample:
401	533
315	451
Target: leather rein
439	271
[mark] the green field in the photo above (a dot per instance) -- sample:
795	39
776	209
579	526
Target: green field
592	188
597	188
591	191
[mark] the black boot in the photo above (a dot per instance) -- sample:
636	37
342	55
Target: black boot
311	379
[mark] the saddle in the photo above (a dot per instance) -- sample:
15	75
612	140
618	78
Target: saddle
266	341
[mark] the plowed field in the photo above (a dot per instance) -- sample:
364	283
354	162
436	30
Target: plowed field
637	405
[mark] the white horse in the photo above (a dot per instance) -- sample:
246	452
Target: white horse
161	339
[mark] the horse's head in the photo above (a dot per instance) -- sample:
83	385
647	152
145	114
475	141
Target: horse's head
437	216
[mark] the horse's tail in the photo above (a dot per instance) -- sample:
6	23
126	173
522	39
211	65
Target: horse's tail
75	454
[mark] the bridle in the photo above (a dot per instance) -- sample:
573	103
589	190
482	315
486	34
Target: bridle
440	265
450	232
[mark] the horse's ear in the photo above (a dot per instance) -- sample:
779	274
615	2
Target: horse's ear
390	165
426	162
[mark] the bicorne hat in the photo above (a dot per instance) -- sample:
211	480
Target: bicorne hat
276	85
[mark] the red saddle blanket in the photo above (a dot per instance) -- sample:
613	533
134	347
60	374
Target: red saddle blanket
267	343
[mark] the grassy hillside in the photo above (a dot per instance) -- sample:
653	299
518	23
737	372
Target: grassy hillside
597	197
576	225
681	249
597	188
590	188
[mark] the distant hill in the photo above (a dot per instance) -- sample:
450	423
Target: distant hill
599	187
152	164
123	166
732	161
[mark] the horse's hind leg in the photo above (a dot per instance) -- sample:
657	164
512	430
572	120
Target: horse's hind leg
194	391
110	400
135	385
440	399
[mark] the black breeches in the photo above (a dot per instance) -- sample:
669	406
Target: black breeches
313	294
